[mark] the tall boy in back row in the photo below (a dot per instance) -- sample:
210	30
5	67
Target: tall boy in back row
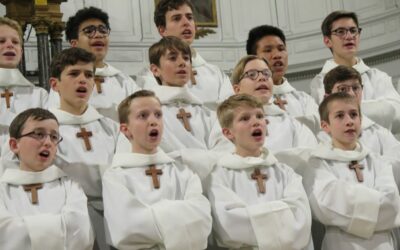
89	29
208	82
381	102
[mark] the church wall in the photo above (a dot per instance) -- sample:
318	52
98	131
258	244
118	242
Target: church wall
133	32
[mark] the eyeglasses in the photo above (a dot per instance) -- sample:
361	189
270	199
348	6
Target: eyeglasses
342	32
90	31
41	135
356	88
253	74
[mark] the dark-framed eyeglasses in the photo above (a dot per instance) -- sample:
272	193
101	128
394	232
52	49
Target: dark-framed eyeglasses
90	30
342	32
356	88
253	74
41	135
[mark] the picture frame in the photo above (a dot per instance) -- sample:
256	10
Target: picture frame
204	11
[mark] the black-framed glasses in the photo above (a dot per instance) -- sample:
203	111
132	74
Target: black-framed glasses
253	74
356	88
41	134
342	32
90	30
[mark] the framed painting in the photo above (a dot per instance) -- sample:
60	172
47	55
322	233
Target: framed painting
205	12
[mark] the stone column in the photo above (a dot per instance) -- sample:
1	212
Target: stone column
56	36
41	26
22	63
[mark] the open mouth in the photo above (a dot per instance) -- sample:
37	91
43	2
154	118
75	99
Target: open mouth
98	44
44	154
81	90
9	54
262	87
349	45
257	133
182	72
187	33
153	133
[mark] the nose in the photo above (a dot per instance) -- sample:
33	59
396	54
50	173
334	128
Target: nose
277	54
349	120
47	141
9	43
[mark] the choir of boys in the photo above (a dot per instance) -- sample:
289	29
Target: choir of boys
192	164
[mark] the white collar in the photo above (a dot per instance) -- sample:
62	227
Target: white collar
13	77
20	177
132	160
197	60
107	70
327	151
360	66
234	161
168	94
65	118
283	88
273	110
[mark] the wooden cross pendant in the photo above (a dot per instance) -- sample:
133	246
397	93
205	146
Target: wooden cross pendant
85	136
358	169
33	189
153	171
184	117
259	177
7	94
280	102
98	80
192	78
266	123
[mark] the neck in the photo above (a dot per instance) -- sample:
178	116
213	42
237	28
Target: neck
75	110
345	147
278	81
248	152
346	61
100	64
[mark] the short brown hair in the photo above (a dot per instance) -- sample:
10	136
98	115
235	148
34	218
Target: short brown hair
70	57
124	106
226	110
164	6
168	43
338	74
14	25
340	96
326	26
37	114
239	68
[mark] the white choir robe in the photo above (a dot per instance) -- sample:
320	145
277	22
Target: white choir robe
115	88
86	167
377	88
299	105
280	218
59	220
138	216
175	135
378	140
25	95
357	215
212	85
284	132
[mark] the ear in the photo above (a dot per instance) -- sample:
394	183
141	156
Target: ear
13	145
123	127
54	83
162	31
228	134
236	88
326	127
74	42
155	70
327	41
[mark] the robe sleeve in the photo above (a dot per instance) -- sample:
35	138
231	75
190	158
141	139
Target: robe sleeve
79	234
317	88
41	231
180	224
280	224
353	207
